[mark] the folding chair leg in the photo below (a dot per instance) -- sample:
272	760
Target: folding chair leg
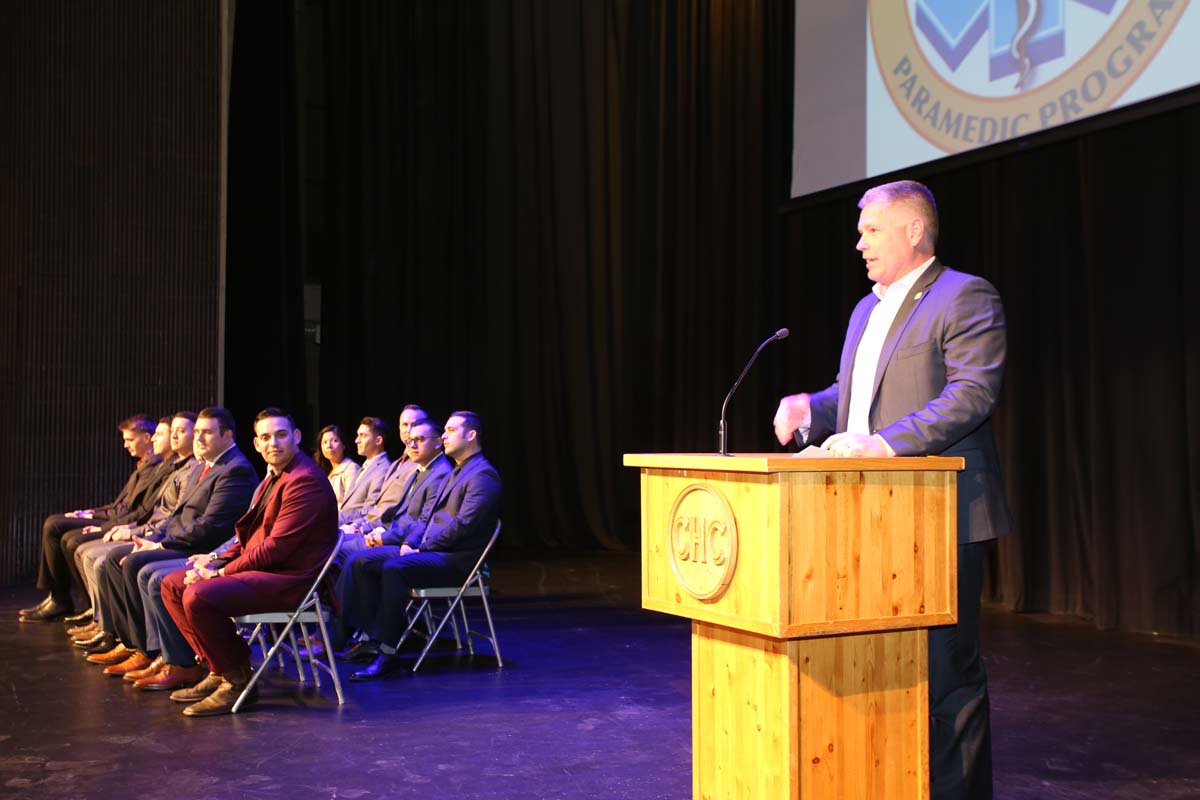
487	613
462	611
434	634
454	625
316	673
337	684
412	619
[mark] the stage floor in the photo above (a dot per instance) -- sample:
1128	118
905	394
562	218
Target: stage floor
592	702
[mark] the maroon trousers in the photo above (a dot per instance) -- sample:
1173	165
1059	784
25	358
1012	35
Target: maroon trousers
204	611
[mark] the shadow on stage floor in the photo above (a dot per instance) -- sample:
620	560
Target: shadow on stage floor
593	702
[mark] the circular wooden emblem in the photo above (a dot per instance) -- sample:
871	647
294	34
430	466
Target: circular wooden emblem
703	541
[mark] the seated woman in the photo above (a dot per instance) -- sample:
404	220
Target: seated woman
331	458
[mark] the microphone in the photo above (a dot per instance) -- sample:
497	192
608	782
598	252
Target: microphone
722	450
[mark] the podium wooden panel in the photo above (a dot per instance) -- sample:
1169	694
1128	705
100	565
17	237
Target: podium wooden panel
809	583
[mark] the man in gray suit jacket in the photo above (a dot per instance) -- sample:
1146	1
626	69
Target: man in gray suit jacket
371	441
920	373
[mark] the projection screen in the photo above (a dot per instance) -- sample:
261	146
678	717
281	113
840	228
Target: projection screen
881	85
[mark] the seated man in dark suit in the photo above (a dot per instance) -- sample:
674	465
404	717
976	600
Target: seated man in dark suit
442	551
203	519
54	574
282	543
358	599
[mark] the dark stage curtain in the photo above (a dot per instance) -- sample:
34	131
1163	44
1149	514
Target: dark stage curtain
558	214
264	342
565	215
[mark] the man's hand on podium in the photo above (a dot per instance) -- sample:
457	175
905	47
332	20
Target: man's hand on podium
858	445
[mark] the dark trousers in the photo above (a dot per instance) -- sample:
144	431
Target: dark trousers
960	738
413	571
54	571
118	591
359	588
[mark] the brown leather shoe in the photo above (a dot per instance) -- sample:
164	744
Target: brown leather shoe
172	676
200	691
151	668
83	631
114	656
138	660
222	700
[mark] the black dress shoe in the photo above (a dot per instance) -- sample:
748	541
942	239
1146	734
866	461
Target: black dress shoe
82	616
90	641
363	652
105	643
385	664
54	610
34	609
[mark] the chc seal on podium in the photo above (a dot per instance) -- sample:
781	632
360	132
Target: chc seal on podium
703	541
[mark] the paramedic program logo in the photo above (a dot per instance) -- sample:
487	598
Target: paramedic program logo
967	73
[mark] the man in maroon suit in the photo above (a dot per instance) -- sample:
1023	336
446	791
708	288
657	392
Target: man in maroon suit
282	543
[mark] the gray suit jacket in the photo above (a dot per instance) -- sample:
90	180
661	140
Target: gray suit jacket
365	489
392	491
939	376
208	508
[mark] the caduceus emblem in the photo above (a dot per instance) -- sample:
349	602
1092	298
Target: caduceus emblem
1027	13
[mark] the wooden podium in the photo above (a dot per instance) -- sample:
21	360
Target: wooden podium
809	583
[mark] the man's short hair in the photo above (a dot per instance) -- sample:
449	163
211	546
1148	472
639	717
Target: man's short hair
190	416
138	423
274	411
221	415
415	407
909	193
165	420
437	429
471	422
376	425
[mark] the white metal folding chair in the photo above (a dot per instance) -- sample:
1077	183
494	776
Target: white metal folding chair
473	586
310	611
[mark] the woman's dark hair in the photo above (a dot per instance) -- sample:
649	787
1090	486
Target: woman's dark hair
324	463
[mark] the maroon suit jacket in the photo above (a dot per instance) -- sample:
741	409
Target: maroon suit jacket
282	545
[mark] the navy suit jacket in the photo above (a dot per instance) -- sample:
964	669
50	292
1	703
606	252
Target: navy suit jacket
464	514
418	501
938	379
206	512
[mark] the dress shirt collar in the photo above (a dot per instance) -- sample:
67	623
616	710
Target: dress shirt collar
432	461
906	283
367	464
216	460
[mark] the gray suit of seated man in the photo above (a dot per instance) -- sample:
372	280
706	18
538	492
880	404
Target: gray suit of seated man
392	494
371	442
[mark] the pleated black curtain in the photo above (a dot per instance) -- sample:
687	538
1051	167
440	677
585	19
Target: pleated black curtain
565	214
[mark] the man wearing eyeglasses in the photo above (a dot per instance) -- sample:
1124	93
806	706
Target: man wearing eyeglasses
440	552
358	586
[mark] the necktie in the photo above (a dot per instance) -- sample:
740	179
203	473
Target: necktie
204	471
